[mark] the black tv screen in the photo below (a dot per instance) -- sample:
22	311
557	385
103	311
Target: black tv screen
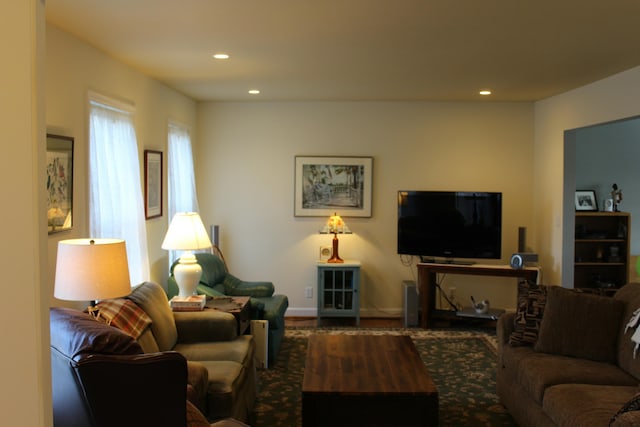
450	224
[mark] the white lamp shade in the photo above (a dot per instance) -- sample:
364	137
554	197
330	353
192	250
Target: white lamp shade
186	233
92	269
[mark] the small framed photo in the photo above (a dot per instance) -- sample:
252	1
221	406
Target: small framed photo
586	200
152	184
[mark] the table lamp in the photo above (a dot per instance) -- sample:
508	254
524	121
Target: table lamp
186	233
336	226
91	270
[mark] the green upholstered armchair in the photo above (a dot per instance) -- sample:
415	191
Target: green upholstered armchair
265	304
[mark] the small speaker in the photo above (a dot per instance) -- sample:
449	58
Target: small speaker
410	304
522	259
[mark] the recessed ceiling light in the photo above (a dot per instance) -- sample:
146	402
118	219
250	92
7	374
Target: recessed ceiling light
485	92
221	56
254	91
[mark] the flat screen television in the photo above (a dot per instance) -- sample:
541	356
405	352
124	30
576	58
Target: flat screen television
450	224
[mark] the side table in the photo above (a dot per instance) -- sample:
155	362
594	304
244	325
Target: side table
238	306
339	290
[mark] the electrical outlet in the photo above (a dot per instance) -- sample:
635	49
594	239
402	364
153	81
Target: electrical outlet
452	292
308	292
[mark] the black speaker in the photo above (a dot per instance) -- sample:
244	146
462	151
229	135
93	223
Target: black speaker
522	239
215	235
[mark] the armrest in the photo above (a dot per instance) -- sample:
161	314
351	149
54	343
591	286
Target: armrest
504	327
207	325
237	287
197	383
150	388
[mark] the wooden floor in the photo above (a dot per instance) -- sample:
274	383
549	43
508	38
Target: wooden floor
369	322
380	322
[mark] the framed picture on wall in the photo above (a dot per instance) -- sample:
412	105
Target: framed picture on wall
328	185
59	183
152	184
585	200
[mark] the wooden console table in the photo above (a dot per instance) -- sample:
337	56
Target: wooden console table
427	279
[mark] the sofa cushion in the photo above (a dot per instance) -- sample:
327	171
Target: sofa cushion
526	323
153	300
123	314
580	325
536	372
77	335
584	405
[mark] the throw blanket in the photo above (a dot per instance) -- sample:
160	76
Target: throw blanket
633	323
123	314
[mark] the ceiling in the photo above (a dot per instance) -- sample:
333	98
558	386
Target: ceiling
401	50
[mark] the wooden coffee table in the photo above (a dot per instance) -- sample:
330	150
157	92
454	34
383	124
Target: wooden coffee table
368	380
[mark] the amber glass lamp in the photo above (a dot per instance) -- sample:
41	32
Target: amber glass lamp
335	226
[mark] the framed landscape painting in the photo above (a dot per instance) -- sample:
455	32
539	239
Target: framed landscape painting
324	185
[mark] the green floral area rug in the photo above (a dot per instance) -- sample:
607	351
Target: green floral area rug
462	364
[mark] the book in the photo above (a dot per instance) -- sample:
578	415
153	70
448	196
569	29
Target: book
190	303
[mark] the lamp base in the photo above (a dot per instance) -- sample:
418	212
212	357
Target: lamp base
335	258
187	274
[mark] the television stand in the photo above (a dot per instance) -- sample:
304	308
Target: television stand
449	261
427	280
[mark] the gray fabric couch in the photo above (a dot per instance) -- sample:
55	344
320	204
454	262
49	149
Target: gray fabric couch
209	341
578	366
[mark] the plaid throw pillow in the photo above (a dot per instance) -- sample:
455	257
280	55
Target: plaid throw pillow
123	314
531	301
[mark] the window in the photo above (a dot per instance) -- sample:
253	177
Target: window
115	205
182	182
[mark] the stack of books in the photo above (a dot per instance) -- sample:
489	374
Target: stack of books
190	303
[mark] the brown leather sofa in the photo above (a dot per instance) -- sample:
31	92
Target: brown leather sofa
574	365
197	356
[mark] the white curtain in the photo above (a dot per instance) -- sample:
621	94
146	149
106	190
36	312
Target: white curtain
115	193
181	177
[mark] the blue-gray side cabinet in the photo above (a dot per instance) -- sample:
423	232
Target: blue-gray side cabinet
339	290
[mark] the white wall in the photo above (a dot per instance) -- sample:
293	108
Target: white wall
609	99
245	177
72	69
25	390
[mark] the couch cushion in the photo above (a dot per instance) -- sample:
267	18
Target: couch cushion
536	372
584	405
580	325
526	323
152	299
78	335
239	350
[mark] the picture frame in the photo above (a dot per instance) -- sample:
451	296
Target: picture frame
328	185
59	185
152	184
585	200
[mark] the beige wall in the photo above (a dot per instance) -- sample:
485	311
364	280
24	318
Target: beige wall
25	390
245	174
74	68
609	99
